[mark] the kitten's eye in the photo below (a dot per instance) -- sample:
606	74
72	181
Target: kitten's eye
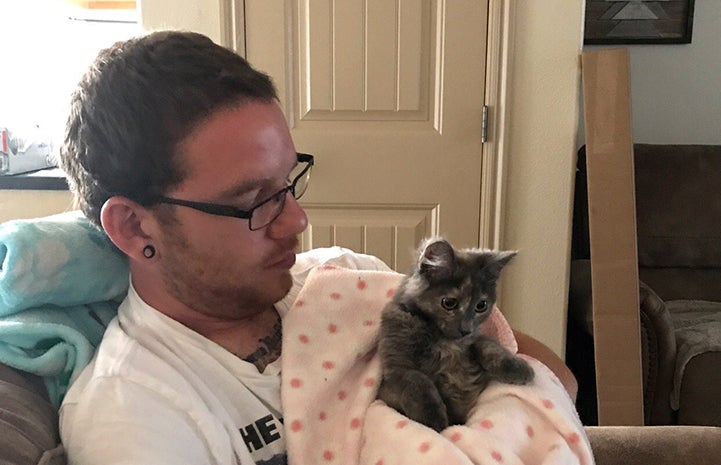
449	303
481	306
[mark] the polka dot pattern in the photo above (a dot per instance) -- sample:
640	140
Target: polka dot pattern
331	373
336	325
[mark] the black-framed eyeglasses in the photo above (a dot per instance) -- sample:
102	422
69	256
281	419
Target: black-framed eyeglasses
265	212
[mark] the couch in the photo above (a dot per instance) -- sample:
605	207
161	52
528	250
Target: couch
29	433
28	422
678	221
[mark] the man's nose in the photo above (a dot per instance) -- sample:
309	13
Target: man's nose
291	221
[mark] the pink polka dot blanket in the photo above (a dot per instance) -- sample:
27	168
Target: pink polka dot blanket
330	377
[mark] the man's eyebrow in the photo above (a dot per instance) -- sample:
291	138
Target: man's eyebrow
249	185
243	187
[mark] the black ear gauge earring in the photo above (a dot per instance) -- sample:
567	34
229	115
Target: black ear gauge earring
148	251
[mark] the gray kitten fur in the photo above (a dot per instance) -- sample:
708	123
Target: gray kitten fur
435	361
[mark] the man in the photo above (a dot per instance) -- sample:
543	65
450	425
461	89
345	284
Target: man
178	149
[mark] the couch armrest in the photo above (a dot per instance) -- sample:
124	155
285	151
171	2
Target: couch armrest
659	357
655	445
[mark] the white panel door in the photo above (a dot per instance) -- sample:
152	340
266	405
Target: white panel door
388	95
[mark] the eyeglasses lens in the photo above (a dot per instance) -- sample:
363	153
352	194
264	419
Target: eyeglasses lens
266	213
301	183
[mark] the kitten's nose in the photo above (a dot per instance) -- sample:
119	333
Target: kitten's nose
466	326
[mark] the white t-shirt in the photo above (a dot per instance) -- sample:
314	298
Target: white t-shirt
157	392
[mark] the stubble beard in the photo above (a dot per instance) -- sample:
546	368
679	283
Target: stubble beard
218	291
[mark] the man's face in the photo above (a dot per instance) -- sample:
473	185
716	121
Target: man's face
216	265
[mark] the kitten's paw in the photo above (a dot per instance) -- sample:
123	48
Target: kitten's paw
437	421
438	424
428	409
515	370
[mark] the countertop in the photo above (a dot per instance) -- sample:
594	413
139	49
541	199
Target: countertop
52	179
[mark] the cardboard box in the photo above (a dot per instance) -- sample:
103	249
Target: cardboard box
612	233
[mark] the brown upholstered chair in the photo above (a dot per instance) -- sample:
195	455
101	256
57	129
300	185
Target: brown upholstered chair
678	220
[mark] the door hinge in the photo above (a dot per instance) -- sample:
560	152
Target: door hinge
484	124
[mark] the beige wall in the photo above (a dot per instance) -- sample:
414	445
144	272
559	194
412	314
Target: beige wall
193	15
675	96
545	76
15	204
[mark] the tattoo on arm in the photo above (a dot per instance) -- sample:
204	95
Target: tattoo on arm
268	349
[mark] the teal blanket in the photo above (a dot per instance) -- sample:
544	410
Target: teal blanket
61	281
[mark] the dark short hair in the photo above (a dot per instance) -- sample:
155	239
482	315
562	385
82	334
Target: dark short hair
137	102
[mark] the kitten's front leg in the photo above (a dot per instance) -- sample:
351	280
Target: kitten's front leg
414	395
501	363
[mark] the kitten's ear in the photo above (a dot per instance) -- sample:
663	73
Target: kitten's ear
437	259
498	260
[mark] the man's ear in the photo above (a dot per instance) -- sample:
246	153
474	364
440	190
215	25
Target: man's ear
128	224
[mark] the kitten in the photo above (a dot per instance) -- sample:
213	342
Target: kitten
435	362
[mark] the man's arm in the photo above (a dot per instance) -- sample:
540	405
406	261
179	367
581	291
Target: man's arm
536	349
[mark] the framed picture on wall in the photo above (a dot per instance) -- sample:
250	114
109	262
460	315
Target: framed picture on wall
638	22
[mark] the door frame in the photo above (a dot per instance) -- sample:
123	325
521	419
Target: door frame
494	150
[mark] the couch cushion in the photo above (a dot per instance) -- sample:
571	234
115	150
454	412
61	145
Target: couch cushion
698	338
684	283
678	205
700	383
28	423
655	445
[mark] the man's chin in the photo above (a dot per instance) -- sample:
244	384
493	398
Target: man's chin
281	286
